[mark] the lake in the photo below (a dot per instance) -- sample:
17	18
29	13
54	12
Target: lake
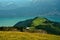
13	21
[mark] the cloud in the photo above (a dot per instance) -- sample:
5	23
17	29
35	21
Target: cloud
10	3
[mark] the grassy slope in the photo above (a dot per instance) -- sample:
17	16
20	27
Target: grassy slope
26	36
40	23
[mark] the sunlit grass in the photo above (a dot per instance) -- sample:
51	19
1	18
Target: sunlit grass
15	35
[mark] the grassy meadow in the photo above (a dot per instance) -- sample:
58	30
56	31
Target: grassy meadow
16	35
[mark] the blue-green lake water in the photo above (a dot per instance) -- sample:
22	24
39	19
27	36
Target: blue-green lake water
13	21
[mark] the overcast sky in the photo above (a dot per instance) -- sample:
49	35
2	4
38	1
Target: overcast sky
14	8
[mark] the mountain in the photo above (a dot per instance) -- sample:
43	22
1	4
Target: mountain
40	23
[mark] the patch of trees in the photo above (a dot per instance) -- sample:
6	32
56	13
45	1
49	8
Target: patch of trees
8	29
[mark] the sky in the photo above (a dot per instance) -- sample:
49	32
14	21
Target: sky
29	8
12	4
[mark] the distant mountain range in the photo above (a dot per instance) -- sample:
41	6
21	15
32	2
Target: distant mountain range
40	23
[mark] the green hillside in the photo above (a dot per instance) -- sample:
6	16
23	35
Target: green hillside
40	23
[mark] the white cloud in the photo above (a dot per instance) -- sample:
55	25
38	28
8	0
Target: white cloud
10	3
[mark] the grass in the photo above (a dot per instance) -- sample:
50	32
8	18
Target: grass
15	35
38	21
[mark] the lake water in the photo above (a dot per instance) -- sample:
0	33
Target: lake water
13	21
